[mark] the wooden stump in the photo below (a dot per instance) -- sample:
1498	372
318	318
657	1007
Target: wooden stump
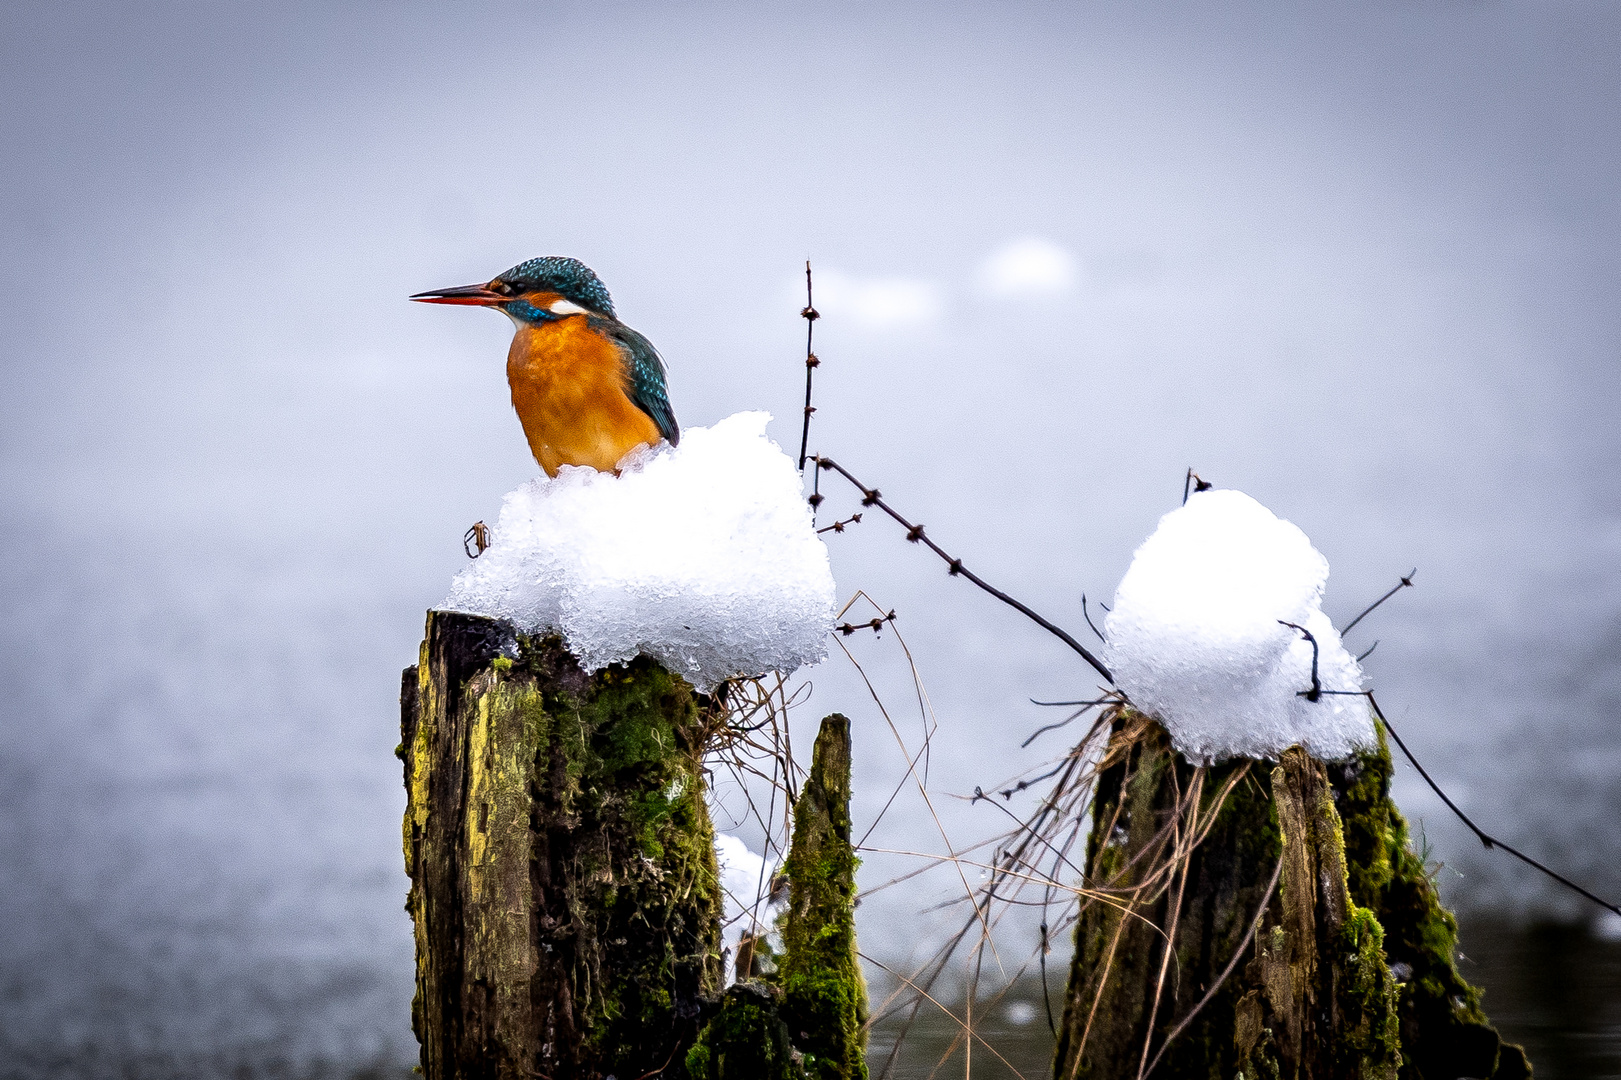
1345	971
824	994
806	1020
563	880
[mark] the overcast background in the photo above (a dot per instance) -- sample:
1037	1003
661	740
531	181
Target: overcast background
1360	261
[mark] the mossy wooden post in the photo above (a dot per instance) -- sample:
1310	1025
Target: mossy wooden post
807	1019
1348	971
563	880
824	994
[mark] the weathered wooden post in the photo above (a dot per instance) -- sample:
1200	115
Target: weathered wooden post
808	1018
1300	937
825	996
563	880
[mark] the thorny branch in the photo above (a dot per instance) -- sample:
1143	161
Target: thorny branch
840	526
1480	834
915	533
1317	692
1059	820
1193	484
874	624
810	315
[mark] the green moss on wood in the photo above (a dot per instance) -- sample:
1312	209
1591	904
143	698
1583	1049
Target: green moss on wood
1443	1029
1317	994
747	1040
565	892
824	993
1367	994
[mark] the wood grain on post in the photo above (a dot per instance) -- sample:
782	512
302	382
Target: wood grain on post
563	882
1346	971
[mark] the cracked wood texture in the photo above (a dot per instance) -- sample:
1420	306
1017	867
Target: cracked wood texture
563	881
1351	970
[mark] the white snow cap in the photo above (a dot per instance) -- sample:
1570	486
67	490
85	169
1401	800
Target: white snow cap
703	556
1195	637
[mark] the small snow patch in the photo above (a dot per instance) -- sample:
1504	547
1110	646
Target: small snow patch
703	556
745	881
1196	636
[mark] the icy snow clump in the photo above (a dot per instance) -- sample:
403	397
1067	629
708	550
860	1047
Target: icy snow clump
1195	637
702	556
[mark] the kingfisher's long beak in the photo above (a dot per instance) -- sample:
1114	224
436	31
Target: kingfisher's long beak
481	295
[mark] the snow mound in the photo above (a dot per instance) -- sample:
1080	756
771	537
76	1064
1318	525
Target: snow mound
1195	637
745	881
703	556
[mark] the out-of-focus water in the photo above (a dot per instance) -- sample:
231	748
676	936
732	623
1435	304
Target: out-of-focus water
1554	989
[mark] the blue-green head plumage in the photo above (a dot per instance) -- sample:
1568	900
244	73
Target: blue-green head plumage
569	278
574	281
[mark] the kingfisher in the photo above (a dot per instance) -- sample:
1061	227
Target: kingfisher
587	388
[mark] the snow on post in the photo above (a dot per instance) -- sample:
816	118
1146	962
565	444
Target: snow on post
749	908
703	556
1197	636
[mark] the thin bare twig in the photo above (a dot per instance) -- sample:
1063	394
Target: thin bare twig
1008	793
1046	997
1226	973
967	1030
1085	705
1065	704
1087	615
925	710
1404	583
922	790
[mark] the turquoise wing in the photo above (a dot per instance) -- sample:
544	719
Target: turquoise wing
647	387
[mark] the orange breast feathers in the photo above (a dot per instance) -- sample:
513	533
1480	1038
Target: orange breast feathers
569	387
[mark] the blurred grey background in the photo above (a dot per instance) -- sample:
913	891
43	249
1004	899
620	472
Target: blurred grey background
1360	261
